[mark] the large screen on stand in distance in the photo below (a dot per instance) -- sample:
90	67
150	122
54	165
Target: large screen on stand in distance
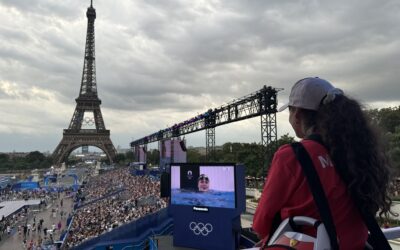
206	185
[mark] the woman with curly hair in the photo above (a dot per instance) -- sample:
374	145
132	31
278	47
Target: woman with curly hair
348	158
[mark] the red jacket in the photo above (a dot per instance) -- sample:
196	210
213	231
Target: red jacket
287	191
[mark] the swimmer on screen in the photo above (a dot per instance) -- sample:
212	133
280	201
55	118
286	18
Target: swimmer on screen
203	183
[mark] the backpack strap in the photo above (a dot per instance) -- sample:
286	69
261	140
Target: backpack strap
317	191
376	237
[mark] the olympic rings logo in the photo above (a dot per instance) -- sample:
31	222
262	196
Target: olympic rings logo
201	228
88	120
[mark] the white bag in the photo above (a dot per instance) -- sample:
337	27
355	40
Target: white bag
285	237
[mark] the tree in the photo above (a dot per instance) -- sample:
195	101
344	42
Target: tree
120	158
250	154
388	119
32	160
130	156
5	162
393	140
4	158
193	155
48	161
153	157
35	157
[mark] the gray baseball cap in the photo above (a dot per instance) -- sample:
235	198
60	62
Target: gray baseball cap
308	93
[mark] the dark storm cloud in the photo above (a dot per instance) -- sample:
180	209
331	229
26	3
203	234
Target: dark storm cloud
211	48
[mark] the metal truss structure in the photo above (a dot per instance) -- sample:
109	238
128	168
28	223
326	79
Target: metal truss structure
87	102
210	144
260	103
268	137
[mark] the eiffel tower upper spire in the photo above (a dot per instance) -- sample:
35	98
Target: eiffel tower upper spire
88	84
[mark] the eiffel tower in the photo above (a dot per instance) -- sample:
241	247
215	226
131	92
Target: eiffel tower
87	124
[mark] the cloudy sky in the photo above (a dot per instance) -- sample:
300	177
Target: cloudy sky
161	62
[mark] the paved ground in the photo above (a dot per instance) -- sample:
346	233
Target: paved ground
15	240
247	217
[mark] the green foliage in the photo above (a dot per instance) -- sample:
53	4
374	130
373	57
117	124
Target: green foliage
153	157
120	158
46	163
194	155
32	160
35	157
130	157
249	154
5	162
4	158
388	119
393	140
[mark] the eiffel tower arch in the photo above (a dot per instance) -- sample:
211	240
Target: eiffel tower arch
87	125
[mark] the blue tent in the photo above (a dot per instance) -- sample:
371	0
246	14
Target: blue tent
26	185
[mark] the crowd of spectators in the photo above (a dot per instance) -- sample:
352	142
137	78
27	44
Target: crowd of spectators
106	183
123	207
7	224
8	194
20	218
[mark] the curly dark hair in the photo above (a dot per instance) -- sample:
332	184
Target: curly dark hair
357	151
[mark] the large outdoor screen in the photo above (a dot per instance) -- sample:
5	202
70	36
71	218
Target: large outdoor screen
206	185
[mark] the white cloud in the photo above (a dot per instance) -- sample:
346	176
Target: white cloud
162	62
29	109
